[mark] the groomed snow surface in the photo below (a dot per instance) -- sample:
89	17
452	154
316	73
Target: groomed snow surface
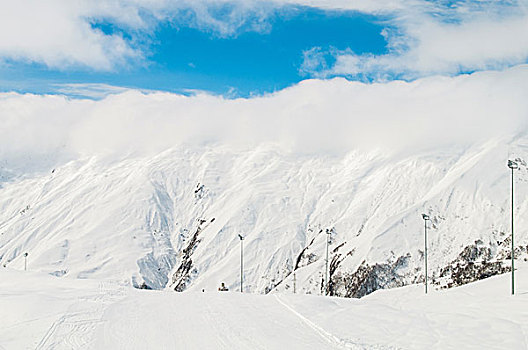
40	311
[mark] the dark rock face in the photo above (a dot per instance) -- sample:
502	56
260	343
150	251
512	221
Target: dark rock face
369	278
472	264
144	286
463	273
182	276
475	262
305	258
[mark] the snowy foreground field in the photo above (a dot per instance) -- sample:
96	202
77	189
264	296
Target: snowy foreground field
44	312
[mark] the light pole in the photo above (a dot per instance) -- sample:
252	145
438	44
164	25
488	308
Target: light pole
513	166
425	218
25	261
328	232
294	282
241	263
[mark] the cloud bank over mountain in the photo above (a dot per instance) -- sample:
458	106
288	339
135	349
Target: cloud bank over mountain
315	116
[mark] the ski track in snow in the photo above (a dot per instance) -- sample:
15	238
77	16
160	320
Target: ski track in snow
333	340
74	330
208	321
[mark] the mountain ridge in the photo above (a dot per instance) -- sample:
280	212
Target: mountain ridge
143	219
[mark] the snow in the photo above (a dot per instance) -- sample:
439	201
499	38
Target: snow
95	227
45	312
130	219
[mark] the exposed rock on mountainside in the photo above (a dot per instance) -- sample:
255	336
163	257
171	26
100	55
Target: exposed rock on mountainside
369	278
185	270
477	262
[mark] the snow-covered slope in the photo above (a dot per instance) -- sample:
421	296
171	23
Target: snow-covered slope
172	220
45	312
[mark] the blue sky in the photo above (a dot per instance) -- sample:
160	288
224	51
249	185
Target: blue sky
244	48
180	57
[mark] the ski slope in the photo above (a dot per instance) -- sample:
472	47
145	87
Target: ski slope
45	312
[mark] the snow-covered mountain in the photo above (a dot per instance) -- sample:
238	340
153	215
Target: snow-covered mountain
172	220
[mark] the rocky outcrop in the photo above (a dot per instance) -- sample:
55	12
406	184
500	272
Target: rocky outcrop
369	278
475	262
185	270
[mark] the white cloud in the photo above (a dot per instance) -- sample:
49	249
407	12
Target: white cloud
61	34
315	116
58	34
90	90
365	6
424	37
431	39
477	44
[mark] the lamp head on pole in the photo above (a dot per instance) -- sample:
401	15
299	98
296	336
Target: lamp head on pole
513	164
425	217
241	237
